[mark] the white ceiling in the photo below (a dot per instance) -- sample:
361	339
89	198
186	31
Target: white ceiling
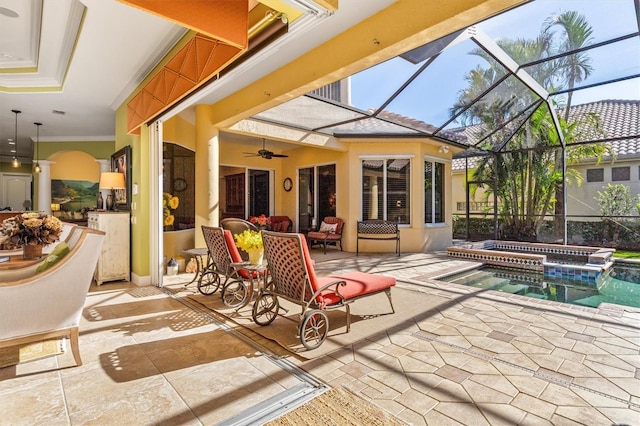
115	47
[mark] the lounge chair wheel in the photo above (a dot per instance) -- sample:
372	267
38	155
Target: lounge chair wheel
265	309
235	294
314	329
208	282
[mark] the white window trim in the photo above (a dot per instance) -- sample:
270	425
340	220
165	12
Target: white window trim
442	161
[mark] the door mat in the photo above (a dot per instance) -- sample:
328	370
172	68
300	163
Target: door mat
337	406
14	355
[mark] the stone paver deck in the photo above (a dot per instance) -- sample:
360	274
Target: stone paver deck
478	358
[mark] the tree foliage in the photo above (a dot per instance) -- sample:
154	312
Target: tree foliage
514	123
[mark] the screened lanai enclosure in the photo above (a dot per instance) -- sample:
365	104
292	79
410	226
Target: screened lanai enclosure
544	99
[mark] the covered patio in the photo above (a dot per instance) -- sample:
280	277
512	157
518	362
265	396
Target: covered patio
469	357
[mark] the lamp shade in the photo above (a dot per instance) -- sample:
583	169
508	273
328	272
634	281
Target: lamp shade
112	180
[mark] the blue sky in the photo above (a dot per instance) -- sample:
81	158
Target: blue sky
432	95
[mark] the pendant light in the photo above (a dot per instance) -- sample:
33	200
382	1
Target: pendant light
16	162
36	167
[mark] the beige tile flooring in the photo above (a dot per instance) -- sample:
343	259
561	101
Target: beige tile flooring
481	357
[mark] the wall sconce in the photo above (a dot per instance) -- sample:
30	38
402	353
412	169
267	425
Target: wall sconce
444	149
112	181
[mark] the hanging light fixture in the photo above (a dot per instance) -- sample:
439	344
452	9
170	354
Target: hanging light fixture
36	166
16	162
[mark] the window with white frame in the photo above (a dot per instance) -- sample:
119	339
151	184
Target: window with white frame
386	189
433	192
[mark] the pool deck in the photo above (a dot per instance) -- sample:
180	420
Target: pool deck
472	357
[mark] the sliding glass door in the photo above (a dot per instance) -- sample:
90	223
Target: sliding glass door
259	193
245	192
317	195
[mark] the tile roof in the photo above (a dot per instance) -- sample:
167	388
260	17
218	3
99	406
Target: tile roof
619	118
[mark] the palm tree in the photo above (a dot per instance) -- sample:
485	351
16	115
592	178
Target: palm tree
529	175
575	34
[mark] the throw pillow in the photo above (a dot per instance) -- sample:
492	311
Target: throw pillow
328	227
60	251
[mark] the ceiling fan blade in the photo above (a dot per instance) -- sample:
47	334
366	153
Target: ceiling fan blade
279	155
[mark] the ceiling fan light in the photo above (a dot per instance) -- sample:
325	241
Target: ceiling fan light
37	168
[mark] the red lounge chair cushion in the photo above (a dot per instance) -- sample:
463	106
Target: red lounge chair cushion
315	235
235	254
358	284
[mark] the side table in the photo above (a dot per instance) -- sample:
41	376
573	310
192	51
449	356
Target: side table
198	254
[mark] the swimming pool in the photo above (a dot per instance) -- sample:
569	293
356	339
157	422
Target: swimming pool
621	286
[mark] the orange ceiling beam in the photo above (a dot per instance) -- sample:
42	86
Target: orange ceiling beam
193	65
225	20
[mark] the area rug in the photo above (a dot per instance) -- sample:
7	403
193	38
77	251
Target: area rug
370	316
14	355
339	407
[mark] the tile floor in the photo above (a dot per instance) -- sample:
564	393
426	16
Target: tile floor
480	357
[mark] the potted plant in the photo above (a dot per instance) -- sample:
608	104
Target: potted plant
251	242
261	222
31	231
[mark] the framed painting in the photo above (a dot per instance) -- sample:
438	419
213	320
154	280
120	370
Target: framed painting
121	162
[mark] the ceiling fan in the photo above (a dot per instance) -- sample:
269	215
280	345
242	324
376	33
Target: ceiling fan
265	153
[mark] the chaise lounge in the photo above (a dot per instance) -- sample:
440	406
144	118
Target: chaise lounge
293	279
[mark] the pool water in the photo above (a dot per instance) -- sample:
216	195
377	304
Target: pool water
621	286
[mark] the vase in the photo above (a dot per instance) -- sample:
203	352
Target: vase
255	256
32	251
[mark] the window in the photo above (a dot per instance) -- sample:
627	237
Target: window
386	189
595	175
433	192
620	173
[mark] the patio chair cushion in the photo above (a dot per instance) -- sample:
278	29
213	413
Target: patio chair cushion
282	226
280	223
328	227
358	283
235	254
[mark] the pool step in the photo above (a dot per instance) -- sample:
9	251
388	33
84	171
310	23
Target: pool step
481	279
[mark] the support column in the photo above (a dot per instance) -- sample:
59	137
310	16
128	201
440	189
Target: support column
44	186
105	166
207	173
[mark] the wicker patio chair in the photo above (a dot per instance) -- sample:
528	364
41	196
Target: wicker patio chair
238	226
293	279
237	287
329	232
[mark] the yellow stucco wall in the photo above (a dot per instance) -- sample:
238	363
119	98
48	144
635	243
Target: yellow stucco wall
403	25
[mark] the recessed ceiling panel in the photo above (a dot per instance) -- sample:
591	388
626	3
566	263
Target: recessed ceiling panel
20	34
308	113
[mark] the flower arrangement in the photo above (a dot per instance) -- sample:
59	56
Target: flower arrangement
169	203
33	228
248	240
262	221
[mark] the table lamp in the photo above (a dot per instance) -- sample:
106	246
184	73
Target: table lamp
112	181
